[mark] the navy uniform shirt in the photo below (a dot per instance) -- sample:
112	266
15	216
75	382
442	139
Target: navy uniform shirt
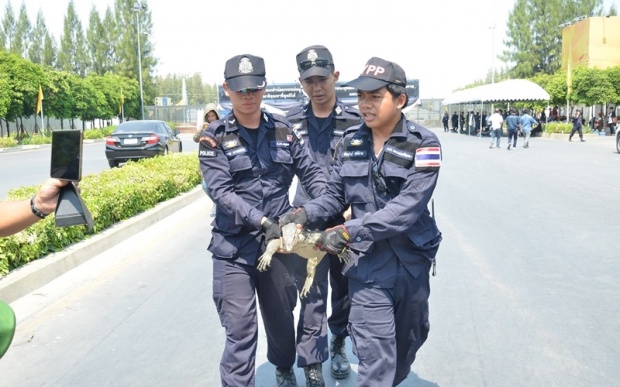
249	179
390	221
321	136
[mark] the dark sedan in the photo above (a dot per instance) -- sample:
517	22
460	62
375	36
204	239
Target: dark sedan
133	140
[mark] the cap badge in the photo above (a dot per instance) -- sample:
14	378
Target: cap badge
312	55
245	66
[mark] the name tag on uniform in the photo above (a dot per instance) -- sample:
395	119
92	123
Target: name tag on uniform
403	154
356	154
236	152
280	144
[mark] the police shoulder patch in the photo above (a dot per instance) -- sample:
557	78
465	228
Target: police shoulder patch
208	140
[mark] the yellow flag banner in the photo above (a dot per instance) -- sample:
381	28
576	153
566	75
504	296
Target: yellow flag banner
40	100
569	80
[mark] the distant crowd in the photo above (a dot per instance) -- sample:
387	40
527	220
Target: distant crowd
472	122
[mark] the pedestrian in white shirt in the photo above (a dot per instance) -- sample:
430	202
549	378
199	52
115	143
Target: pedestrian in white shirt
496	120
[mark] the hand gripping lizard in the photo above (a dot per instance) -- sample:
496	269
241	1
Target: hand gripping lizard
300	242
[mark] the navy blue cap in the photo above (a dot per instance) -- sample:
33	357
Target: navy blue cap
378	73
245	72
314	61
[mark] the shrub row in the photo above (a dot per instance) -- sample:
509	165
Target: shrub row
111	196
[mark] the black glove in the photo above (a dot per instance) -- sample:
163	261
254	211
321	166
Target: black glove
333	240
271	230
297	216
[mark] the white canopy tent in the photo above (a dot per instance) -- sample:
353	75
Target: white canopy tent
506	91
512	90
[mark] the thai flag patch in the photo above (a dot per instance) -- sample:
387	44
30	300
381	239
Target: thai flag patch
429	157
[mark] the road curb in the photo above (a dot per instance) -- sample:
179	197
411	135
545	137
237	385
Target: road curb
38	146
24	280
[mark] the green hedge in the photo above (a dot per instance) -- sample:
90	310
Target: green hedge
7	142
562	127
111	196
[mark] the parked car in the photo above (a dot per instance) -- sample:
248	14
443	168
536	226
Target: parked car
617	140
133	140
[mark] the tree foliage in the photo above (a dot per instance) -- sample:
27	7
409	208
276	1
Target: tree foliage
72	55
23	29
592	87
37	41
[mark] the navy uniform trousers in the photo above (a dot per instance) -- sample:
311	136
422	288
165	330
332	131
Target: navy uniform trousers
237	310
388	326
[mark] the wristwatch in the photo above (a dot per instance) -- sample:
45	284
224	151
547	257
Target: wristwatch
35	210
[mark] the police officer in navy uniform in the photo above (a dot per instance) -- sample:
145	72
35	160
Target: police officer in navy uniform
248	160
386	170
321	123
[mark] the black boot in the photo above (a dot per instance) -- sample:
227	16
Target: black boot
340	366
314	375
285	377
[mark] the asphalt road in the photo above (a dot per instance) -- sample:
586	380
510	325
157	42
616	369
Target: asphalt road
526	292
32	165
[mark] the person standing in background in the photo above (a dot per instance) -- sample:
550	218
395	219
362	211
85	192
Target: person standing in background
455	122
445	120
612	120
577	126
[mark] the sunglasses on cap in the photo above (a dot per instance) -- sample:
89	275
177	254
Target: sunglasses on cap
308	64
249	90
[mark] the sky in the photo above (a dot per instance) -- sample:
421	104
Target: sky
446	44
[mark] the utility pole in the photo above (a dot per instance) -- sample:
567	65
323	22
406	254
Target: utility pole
137	8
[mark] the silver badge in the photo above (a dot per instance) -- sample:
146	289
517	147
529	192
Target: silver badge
230	144
312	55
245	66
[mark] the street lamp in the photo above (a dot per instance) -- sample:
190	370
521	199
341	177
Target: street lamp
492	28
137	8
